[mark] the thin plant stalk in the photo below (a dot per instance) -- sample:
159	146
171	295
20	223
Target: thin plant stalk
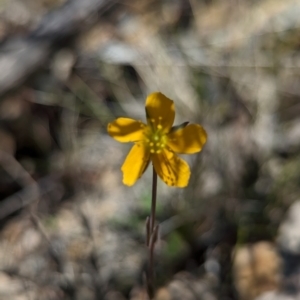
153	202
151	237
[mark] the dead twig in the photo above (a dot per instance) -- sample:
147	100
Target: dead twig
32	190
21	57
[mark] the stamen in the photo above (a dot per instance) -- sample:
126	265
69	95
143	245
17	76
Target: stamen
155	140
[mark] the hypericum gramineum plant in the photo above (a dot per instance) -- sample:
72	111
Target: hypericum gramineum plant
157	141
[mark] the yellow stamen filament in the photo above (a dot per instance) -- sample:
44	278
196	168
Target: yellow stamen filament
155	140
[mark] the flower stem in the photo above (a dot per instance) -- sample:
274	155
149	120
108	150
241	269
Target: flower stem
151	237
153	203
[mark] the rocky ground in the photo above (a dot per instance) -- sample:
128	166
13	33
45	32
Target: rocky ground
71	230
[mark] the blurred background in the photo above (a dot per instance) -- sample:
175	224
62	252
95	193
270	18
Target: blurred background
69	229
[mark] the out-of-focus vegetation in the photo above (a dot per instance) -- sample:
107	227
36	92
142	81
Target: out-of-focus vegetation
71	230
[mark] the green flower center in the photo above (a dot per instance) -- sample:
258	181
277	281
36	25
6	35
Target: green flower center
155	140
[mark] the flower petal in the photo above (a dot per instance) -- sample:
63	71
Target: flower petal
188	140
135	164
160	111
173	170
126	130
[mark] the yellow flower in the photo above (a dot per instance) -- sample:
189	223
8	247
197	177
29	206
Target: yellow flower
158	141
